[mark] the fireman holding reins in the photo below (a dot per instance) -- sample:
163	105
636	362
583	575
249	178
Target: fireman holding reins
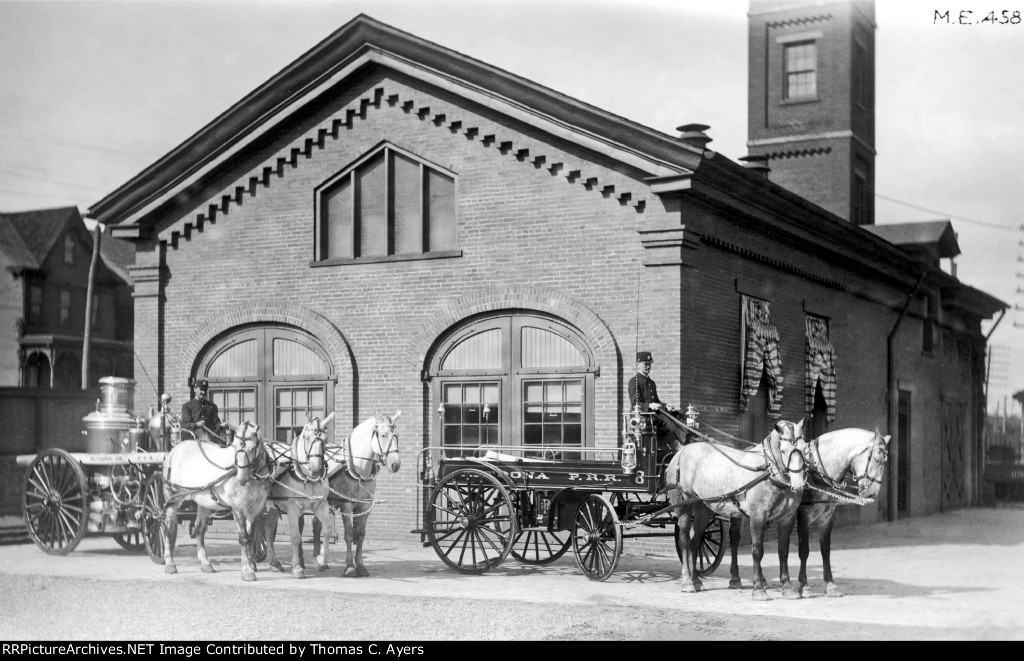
200	416
643	392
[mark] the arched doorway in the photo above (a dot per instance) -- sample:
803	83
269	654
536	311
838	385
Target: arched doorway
515	379
274	375
37	371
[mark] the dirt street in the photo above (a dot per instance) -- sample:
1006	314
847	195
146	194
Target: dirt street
950	576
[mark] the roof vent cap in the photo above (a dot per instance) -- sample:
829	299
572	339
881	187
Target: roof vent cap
694	134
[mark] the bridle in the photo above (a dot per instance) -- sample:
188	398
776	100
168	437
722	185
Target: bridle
872	477
313	448
795	463
378	451
818	467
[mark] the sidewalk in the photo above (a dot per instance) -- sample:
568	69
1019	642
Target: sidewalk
951	575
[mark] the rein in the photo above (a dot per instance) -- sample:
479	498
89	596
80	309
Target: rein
836	488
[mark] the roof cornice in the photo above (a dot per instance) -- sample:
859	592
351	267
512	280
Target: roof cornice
363	42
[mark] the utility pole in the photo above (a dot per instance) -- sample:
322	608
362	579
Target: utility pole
87	335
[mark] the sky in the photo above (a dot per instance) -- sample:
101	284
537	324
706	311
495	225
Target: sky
91	93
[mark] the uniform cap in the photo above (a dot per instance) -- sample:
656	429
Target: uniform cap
644	357
200	385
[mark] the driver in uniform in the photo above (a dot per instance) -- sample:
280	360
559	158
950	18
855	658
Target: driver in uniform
643	392
200	416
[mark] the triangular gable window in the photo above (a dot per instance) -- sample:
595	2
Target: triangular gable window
387	204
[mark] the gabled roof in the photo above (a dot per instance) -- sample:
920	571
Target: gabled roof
364	42
37	231
937	235
28	237
117	254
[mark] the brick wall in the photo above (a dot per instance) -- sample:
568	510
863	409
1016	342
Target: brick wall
542	226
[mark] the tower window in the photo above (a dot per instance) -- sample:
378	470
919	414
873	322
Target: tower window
801	70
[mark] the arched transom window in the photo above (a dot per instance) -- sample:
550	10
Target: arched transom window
515	379
272	375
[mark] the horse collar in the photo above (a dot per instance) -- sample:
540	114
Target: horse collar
350	462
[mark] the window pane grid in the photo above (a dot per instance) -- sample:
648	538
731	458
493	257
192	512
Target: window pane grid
292	406
801	70
552	413
471	415
235	405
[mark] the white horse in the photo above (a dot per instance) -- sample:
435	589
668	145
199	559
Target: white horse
217	479
832	458
300	487
353	470
765	484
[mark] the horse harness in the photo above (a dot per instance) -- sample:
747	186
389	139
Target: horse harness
837	489
771	470
378	457
245	462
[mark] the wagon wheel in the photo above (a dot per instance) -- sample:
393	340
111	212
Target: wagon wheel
471	521
54	503
540	547
597	537
711	549
153	503
133	541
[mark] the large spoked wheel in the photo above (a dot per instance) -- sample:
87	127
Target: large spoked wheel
54	503
711	549
597	537
133	541
539	546
470	521
153	503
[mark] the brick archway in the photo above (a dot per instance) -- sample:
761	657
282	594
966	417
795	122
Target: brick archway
492	299
337	347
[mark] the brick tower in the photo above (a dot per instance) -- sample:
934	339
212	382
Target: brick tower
811	94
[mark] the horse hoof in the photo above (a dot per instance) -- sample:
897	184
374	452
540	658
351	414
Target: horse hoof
248	577
735	584
208	569
761	595
832	591
791	594
170	569
320	569
362	572
298	573
277	565
803	592
689	587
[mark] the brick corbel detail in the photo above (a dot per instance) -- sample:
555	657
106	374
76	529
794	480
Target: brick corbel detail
291	157
668	246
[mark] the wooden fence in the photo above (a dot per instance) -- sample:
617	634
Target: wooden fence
32	420
35	419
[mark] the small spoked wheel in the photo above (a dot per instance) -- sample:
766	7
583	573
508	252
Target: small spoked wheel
132	540
597	537
711	549
54	502
539	546
470	521
153	503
